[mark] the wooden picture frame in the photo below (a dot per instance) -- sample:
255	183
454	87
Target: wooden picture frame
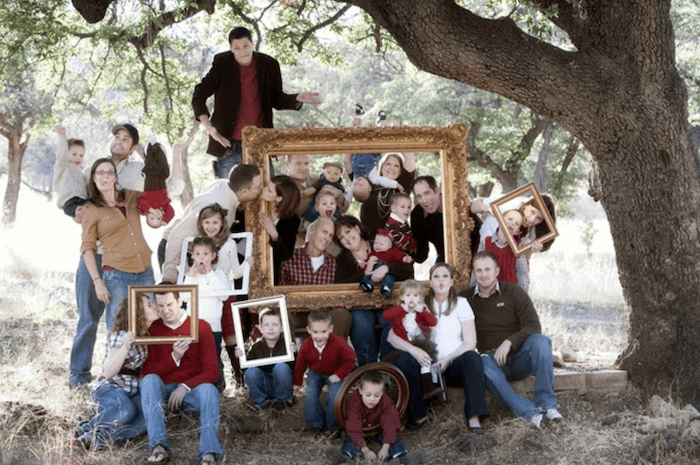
450	144
500	206
279	301
248	251
187	292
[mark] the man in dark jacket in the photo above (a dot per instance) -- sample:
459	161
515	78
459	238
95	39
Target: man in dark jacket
246	86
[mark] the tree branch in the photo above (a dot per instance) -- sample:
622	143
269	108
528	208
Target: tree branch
321	25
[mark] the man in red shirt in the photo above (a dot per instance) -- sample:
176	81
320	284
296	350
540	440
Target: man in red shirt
246	86
180	376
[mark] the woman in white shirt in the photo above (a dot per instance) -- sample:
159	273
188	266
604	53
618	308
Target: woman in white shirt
455	340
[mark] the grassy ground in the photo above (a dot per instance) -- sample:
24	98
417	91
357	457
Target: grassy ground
575	288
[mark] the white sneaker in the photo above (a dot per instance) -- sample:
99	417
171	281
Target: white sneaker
553	415
537	420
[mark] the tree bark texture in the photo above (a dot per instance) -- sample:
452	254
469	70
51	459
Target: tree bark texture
15	152
620	93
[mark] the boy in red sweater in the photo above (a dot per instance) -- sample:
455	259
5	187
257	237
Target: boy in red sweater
329	359
368	406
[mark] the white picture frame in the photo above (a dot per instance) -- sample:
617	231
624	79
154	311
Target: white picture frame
279	301
247	238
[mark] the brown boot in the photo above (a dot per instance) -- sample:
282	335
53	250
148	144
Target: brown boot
430	390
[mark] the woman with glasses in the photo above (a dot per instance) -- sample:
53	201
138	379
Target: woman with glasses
111	218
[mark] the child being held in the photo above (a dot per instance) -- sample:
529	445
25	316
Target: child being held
269	385
68	179
512	269
329	359
397	223
329	181
382	253
369	405
212	283
408	321
154	203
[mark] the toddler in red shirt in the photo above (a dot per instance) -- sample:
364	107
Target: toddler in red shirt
369	406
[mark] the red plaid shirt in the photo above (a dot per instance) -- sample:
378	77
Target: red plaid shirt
298	270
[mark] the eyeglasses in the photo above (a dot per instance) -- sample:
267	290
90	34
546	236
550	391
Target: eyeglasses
104	172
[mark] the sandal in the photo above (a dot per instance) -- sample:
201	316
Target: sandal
159	455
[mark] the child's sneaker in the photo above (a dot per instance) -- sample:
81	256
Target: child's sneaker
553	414
386	292
366	287
537	420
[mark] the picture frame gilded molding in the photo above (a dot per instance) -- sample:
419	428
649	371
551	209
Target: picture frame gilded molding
449	142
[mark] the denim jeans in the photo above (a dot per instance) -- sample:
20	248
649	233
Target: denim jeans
409	366
203	399
118	283
267	386
232	157
119	417
362	163
467	371
534	357
364	338
90	310
350	450
313	411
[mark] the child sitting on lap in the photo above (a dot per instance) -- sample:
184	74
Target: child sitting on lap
382	253
269	383
367	406
329	359
406	321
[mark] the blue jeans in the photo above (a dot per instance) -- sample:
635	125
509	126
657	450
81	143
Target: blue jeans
232	157
313	411
534	357
267	386
203	399
118	283
90	310
350	450
362	163
119	417
468	372
364	338
409	366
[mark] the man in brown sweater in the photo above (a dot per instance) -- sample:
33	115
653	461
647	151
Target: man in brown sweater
510	341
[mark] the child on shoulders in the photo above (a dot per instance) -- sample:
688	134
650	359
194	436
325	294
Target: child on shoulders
269	385
329	359
382	254
68	179
369	405
329	182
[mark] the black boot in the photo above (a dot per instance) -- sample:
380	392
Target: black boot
236	365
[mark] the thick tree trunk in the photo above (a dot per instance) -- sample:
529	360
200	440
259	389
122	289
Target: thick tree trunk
619	92
15	152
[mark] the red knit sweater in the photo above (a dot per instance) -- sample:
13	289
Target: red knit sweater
506	261
199	365
359	416
336	358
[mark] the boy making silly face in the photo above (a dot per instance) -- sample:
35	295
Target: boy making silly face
326	205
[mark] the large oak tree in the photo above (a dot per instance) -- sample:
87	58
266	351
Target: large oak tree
618	90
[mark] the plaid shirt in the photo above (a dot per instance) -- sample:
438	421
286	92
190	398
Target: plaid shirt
134	359
298	270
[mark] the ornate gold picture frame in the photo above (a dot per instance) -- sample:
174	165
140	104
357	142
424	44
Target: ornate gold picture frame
188	294
449	142
503	204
